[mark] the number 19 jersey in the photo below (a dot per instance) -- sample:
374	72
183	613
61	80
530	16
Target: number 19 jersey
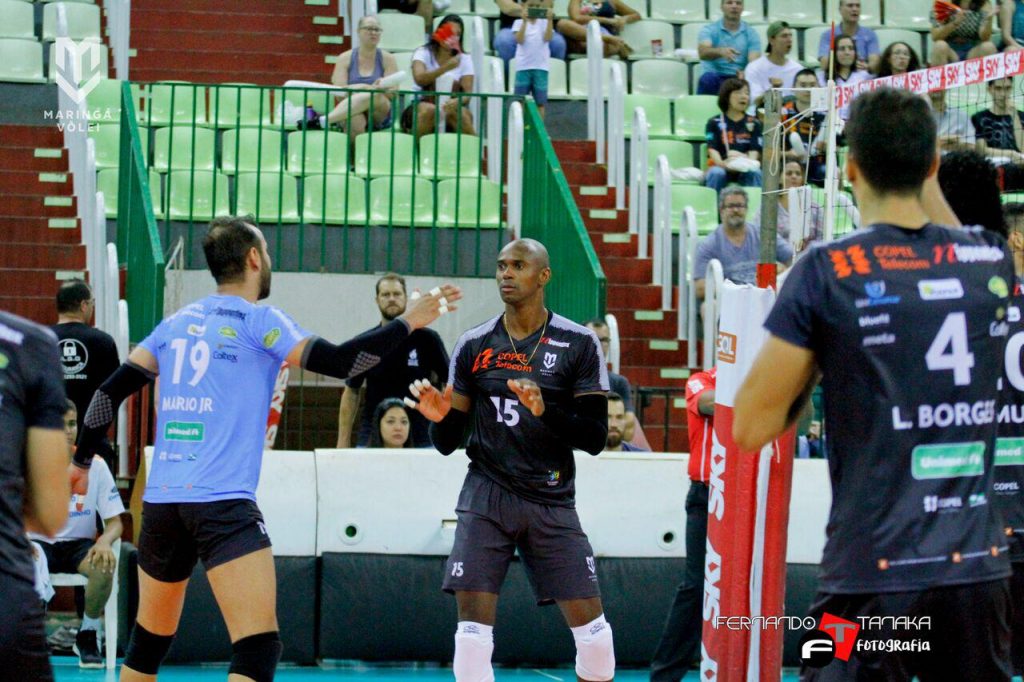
218	358
509	445
908	328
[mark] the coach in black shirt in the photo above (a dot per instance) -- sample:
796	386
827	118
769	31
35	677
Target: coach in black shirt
34	490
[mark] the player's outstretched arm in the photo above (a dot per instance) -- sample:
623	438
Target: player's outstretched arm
447	411
366	350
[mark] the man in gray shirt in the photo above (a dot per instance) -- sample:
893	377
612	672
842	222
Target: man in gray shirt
735	243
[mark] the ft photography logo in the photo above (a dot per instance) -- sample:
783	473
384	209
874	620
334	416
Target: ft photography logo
79	69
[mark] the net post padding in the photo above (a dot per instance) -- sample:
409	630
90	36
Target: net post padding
734	528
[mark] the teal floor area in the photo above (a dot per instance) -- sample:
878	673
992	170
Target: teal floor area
66	670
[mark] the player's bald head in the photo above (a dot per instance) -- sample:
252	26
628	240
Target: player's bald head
529	250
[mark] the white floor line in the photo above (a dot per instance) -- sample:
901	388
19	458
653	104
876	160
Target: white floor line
547	675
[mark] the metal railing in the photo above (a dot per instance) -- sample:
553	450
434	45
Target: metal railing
119	14
685	290
643	400
638	218
662	232
614	342
712	309
579	288
617	134
595	87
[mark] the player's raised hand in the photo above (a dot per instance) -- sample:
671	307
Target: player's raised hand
431	403
529	395
425	308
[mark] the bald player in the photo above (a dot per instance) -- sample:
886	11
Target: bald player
533	385
218	359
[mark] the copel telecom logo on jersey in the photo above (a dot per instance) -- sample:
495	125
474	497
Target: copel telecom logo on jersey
727	347
834	638
79	67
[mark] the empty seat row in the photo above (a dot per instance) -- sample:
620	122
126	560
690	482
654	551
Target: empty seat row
329	199
17	20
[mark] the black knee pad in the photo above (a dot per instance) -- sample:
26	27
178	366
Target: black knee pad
146	651
256	656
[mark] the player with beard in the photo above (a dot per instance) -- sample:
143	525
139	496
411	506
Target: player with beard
219	358
422	354
533	385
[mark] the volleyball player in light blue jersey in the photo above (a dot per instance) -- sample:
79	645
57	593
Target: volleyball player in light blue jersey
218	359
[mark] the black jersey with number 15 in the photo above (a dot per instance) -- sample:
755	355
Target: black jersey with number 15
1008	488
908	327
509	444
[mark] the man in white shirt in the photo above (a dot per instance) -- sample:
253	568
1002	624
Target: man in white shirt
76	549
775	69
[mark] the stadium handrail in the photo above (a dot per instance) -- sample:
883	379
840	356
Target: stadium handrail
616	135
516	157
662	252
638	218
614	342
119	14
595	94
123	341
579	288
495	109
687	293
712	310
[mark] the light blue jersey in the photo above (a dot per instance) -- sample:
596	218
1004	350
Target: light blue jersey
219	358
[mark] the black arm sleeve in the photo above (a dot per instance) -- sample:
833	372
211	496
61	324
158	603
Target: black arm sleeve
357	355
126	379
586	424
446	435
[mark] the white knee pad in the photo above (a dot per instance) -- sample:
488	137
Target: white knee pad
474	644
595	653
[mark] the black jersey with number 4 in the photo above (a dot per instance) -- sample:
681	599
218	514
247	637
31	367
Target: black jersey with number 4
508	444
31	395
1008	489
908	328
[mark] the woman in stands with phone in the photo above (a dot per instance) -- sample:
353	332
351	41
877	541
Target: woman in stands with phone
360	69
442	54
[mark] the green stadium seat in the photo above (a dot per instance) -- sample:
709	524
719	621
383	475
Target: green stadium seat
195	195
384	153
449	156
17	20
641	34
182	148
660	77
762	32
912	15
395	204
753	13
812	36
108	144
558	82
658	111
797	13
679	153
178	102
21	61
462	7
108	182
88	71
258	150
403	62
478	203
296	100
690	36
483	81
1012	197
83	21
692	115
104	101
324	199
277	200
704	201
754	197
679	11
870	13
244	107
578	84
317	151
402	32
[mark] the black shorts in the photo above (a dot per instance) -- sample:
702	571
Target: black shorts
174	535
969	638
404	6
494	522
24	654
64	556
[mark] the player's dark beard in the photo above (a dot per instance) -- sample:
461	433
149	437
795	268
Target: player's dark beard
264	280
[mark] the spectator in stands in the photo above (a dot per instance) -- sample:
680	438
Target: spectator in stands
76	549
533	55
775	69
970	184
734	139
898	58
423	8
505	40
803	128
965	34
391	420
814	218
846	69
865	39
360	69
679	645
88	355
619	384
1013	214
735	243
617	422
955	130
1000	133
429	63
420	356
725	47
1011	22
612	15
